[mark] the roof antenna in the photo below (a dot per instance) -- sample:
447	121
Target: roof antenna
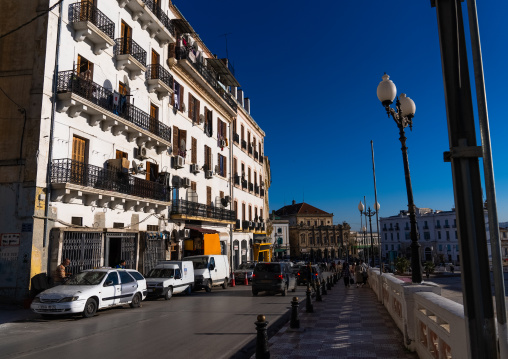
226	37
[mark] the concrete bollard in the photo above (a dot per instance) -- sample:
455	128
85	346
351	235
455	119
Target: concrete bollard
309	308
318	292
295	322
262	351
323	287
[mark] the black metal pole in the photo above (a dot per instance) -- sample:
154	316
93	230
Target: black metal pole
476	284
371	239
416	267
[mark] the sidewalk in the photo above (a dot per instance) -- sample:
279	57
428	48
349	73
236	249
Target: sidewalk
349	323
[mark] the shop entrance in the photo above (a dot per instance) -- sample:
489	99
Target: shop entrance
121	246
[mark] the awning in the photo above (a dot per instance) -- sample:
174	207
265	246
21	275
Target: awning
226	77
183	26
200	229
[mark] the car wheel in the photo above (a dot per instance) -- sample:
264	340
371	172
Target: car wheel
225	284
285	291
169	294
254	292
136	301
208	287
90	308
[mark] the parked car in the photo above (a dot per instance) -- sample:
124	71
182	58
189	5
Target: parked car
273	277
303	274
246	269
91	290
170	277
209	271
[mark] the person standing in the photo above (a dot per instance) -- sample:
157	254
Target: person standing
358	274
346	274
121	265
61	275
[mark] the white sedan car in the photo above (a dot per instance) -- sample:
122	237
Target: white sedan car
91	290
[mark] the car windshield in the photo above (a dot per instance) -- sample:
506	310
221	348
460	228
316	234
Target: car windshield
246	266
87	278
200	263
268	267
161	273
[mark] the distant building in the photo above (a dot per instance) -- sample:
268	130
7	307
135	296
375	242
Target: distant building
312	234
439	238
280	238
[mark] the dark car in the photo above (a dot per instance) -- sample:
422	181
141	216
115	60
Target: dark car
273	277
303	274
243	270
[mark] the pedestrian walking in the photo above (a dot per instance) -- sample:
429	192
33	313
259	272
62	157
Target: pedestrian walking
346	274
358	274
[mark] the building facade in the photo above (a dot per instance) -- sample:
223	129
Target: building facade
280	238
123	137
438	235
312	235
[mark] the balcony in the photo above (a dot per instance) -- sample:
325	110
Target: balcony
130	56
182	209
256	155
204	75
438	226
159	80
260	158
244	144
446	226
102	187
90	23
256	189
244	184
237	180
77	95
262	192
250	151
152	19
251	186
236	138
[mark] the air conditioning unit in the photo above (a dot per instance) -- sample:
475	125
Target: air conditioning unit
179	161
208	174
186	182
194	168
222	143
142	153
164	179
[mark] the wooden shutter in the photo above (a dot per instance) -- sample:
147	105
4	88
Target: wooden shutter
78	149
175	140
225	166
209	196
191	106
197	110
182	136
172	50
218	163
181	98
148	165
243	211
221	194
194	148
235	165
193	186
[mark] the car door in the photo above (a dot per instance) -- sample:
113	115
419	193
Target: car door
111	290
213	272
129	286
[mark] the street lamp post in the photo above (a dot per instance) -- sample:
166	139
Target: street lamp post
403	117
368	213
365	253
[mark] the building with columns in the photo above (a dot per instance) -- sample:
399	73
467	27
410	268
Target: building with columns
312	234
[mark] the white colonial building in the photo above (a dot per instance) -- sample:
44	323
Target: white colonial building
438	235
139	143
280	238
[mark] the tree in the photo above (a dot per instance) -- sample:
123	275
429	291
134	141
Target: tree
401	264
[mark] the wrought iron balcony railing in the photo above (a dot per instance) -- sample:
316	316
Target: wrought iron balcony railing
180	206
256	155
71	171
70	81
157	71
126	46
262	192
236	137
244	184
250	150
154	7
260	158
237	180
251	186
186	53
244	144
256	189
86	11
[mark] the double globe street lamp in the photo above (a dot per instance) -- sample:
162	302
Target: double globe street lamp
403	117
369	213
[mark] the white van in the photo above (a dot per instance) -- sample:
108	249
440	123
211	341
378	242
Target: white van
210	270
170	277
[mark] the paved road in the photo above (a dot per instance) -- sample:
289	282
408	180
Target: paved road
203	325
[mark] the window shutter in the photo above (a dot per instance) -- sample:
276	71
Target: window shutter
191	106
183	136
219	163
175	140
210	121
209	196
221	194
225	173
194	157
196	110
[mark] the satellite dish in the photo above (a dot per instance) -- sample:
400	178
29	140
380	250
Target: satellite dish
134	167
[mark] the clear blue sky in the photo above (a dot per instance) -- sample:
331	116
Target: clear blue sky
311	69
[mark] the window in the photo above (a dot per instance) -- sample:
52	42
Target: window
208	127
222	163
152	228
308	223
208	158
456	235
126	36
426	236
438	224
193	109
235	166
438	234
120	154
177	98
261	213
386	246
322	222
393	247
447	235
118	225
250	212
155	59
194	149
235	206
440	247
222	130
125	277
242	133
152	171
193	186
153	123
302	239
386	236
79	159
243	212
123	89
398	236
112	277
408	235
84	68
391	236
179	142
77	221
